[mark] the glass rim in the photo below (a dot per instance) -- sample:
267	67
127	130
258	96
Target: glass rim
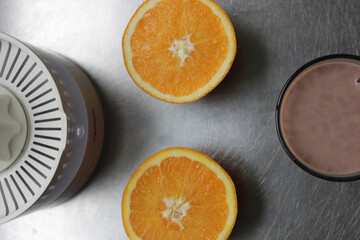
278	124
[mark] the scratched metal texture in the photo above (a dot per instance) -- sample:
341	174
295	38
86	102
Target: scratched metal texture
234	124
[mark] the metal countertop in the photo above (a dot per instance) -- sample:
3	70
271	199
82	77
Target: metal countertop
234	124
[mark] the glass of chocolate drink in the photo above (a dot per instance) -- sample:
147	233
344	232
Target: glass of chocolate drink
318	117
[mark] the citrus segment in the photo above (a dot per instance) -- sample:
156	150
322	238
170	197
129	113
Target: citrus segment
179	50
179	193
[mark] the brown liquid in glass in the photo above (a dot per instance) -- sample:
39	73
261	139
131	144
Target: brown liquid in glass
320	118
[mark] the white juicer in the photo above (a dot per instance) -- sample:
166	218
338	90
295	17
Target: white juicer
51	128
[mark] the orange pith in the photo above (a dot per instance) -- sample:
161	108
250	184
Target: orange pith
179	50
186	196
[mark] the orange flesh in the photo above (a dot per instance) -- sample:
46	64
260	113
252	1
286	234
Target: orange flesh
173	20
190	181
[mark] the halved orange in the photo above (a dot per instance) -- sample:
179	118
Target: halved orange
179	50
179	194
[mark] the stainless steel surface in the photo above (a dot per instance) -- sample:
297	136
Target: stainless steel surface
234	124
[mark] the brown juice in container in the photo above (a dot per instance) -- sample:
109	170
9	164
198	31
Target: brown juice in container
319	118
